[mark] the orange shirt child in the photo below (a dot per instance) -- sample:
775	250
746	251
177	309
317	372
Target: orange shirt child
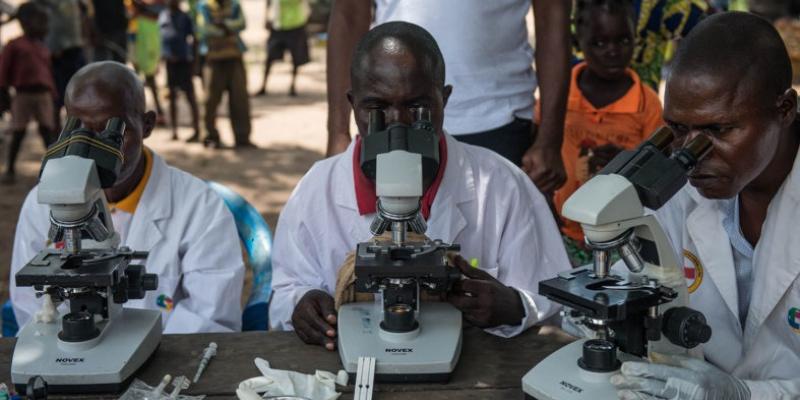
592	134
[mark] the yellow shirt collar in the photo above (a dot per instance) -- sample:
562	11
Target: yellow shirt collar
129	203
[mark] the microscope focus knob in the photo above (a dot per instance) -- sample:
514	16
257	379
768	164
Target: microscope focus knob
599	356
685	327
150	282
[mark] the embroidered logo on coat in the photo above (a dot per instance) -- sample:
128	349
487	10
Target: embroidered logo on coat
794	319
692	270
164	302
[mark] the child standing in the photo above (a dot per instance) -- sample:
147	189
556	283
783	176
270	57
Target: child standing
177	34
25	66
609	108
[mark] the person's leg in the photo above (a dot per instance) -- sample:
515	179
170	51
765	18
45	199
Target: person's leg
42	106
216	85
298	45
510	141
190	97
267	67
150	80
11	157
22	110
173	112
239	104
292	91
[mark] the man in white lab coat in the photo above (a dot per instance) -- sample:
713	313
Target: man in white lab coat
190	234
478	200
736	224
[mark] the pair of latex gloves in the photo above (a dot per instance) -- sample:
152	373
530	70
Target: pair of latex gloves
279	382
678	378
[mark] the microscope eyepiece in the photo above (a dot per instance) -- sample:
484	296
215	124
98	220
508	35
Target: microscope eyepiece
422	114
377	122
662	138
694	151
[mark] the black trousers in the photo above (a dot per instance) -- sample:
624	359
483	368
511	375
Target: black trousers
510	141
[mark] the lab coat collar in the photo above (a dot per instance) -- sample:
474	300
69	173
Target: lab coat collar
457	187
704	225
155	205
776	260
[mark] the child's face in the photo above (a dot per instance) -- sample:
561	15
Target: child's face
607	41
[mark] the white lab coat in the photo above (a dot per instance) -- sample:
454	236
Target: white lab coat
484	203
193	247
767	353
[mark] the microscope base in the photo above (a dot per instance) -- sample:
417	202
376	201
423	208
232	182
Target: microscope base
126	342
558	377
429	356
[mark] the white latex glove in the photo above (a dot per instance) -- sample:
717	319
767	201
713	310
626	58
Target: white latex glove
685	378
277	382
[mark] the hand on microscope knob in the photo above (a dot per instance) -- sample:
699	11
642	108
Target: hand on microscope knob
314	319
483	300
680	378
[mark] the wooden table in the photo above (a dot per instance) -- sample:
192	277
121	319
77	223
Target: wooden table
489	368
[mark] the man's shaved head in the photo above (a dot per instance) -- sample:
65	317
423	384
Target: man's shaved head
112	78
742	48
395	37
104	90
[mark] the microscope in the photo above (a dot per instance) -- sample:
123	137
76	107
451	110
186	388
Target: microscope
411	341
633	315
95	345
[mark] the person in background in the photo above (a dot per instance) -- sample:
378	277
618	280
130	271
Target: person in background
110	33
219	24
25	65
147	45
179	51
286	23
609	108
188	232
65	41
489	61
657	25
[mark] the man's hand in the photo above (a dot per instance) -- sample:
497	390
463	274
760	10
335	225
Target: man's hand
545	167
682	378
484	301
314	319
338	144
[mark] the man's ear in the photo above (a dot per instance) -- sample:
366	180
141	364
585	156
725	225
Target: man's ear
149	122
787	106
448	90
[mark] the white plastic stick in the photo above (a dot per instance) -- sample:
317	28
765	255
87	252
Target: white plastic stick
365	378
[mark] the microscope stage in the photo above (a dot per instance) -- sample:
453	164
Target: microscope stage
103	364
431	356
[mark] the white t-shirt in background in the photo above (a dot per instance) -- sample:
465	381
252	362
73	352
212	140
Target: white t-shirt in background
488	59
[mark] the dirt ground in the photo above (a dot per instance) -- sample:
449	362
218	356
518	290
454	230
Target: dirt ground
289	131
